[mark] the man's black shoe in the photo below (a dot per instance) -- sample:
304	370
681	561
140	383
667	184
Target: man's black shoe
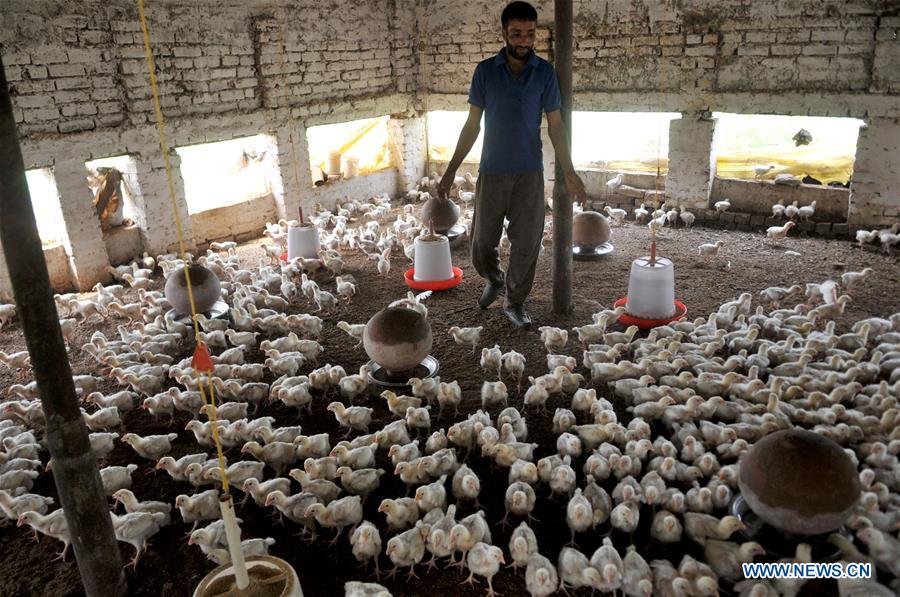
489	295
517	315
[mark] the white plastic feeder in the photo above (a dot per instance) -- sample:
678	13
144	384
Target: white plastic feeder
266	575
651	289
432	259
333	163
303	241
351	167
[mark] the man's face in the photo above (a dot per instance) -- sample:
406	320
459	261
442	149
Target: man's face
519	38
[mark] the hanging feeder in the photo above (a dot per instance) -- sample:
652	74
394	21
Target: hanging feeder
796	487
590	235
303	240
207	293
398	341
433	268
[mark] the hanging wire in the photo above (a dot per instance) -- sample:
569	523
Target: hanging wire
201	346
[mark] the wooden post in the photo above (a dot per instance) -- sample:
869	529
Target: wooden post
562	201
74	464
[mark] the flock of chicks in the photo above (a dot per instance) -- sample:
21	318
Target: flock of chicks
698	394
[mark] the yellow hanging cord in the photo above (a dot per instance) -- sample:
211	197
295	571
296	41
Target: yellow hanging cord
163	144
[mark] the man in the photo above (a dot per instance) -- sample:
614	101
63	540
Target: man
511	89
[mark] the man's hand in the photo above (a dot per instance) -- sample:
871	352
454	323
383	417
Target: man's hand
446	183
575	186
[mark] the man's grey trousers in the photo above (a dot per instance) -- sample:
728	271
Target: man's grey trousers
518	197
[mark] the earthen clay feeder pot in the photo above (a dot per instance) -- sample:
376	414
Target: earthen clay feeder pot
397	339
204	284
799	482
443	212
590	229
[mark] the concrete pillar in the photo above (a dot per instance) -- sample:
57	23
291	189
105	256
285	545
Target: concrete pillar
876	175
409	150
5	282
692	161
293	163
87	251
159	233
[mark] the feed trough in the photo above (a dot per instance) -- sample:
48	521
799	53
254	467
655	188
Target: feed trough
398	341
590	235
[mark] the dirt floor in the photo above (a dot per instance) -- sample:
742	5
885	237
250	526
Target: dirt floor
747	262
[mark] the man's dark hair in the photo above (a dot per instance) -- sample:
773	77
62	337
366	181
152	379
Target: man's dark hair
517	11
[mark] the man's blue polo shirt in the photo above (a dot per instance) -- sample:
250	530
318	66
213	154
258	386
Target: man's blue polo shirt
512	111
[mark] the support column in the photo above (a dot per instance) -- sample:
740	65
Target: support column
5	282
876	175
562	201
160	235
296	180
409	150
87	250
692	161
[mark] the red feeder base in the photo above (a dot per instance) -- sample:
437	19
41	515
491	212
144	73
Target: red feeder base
442	285
646	324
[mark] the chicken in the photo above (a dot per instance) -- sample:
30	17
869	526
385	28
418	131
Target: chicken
418	419
278	455
431	496
615	182
575	570
491	359
294	507
520	499
466	336
709	250
686	217
466	485
554	339
514	364
361	482
135	528
353	418
449	394
407	549
776	294
492	393
400	513
53	525
249	547
722	206
151	447
700	527
260	490
13	506
114	478
365	544
608	563
851	279
638	578
355	458
338	514
355	588
541	578
132	504
469	531
484	560
198	507
726	558
579	514
777	233
616	215
807	211
665	528
355	331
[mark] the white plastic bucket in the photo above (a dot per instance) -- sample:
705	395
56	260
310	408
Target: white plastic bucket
432	260
333	164
651	289
351	167
292	586
303	241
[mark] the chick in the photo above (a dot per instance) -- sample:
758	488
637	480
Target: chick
541	578
353	417
554	339
466	336
151	447
514	364
365	542
484	560
491	360
493	392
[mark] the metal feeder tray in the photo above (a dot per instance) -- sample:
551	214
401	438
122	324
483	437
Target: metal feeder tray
378	375
218	311
781	544
598	252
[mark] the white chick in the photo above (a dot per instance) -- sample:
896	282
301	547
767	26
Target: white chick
519	499
151	447
418	418
484	560
491	360
638	579
607	561
353	418
400	513
449	394
553	338
541	578
709	250
492	393
466	336
466	485
365	542
722	206
579	514
514	365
